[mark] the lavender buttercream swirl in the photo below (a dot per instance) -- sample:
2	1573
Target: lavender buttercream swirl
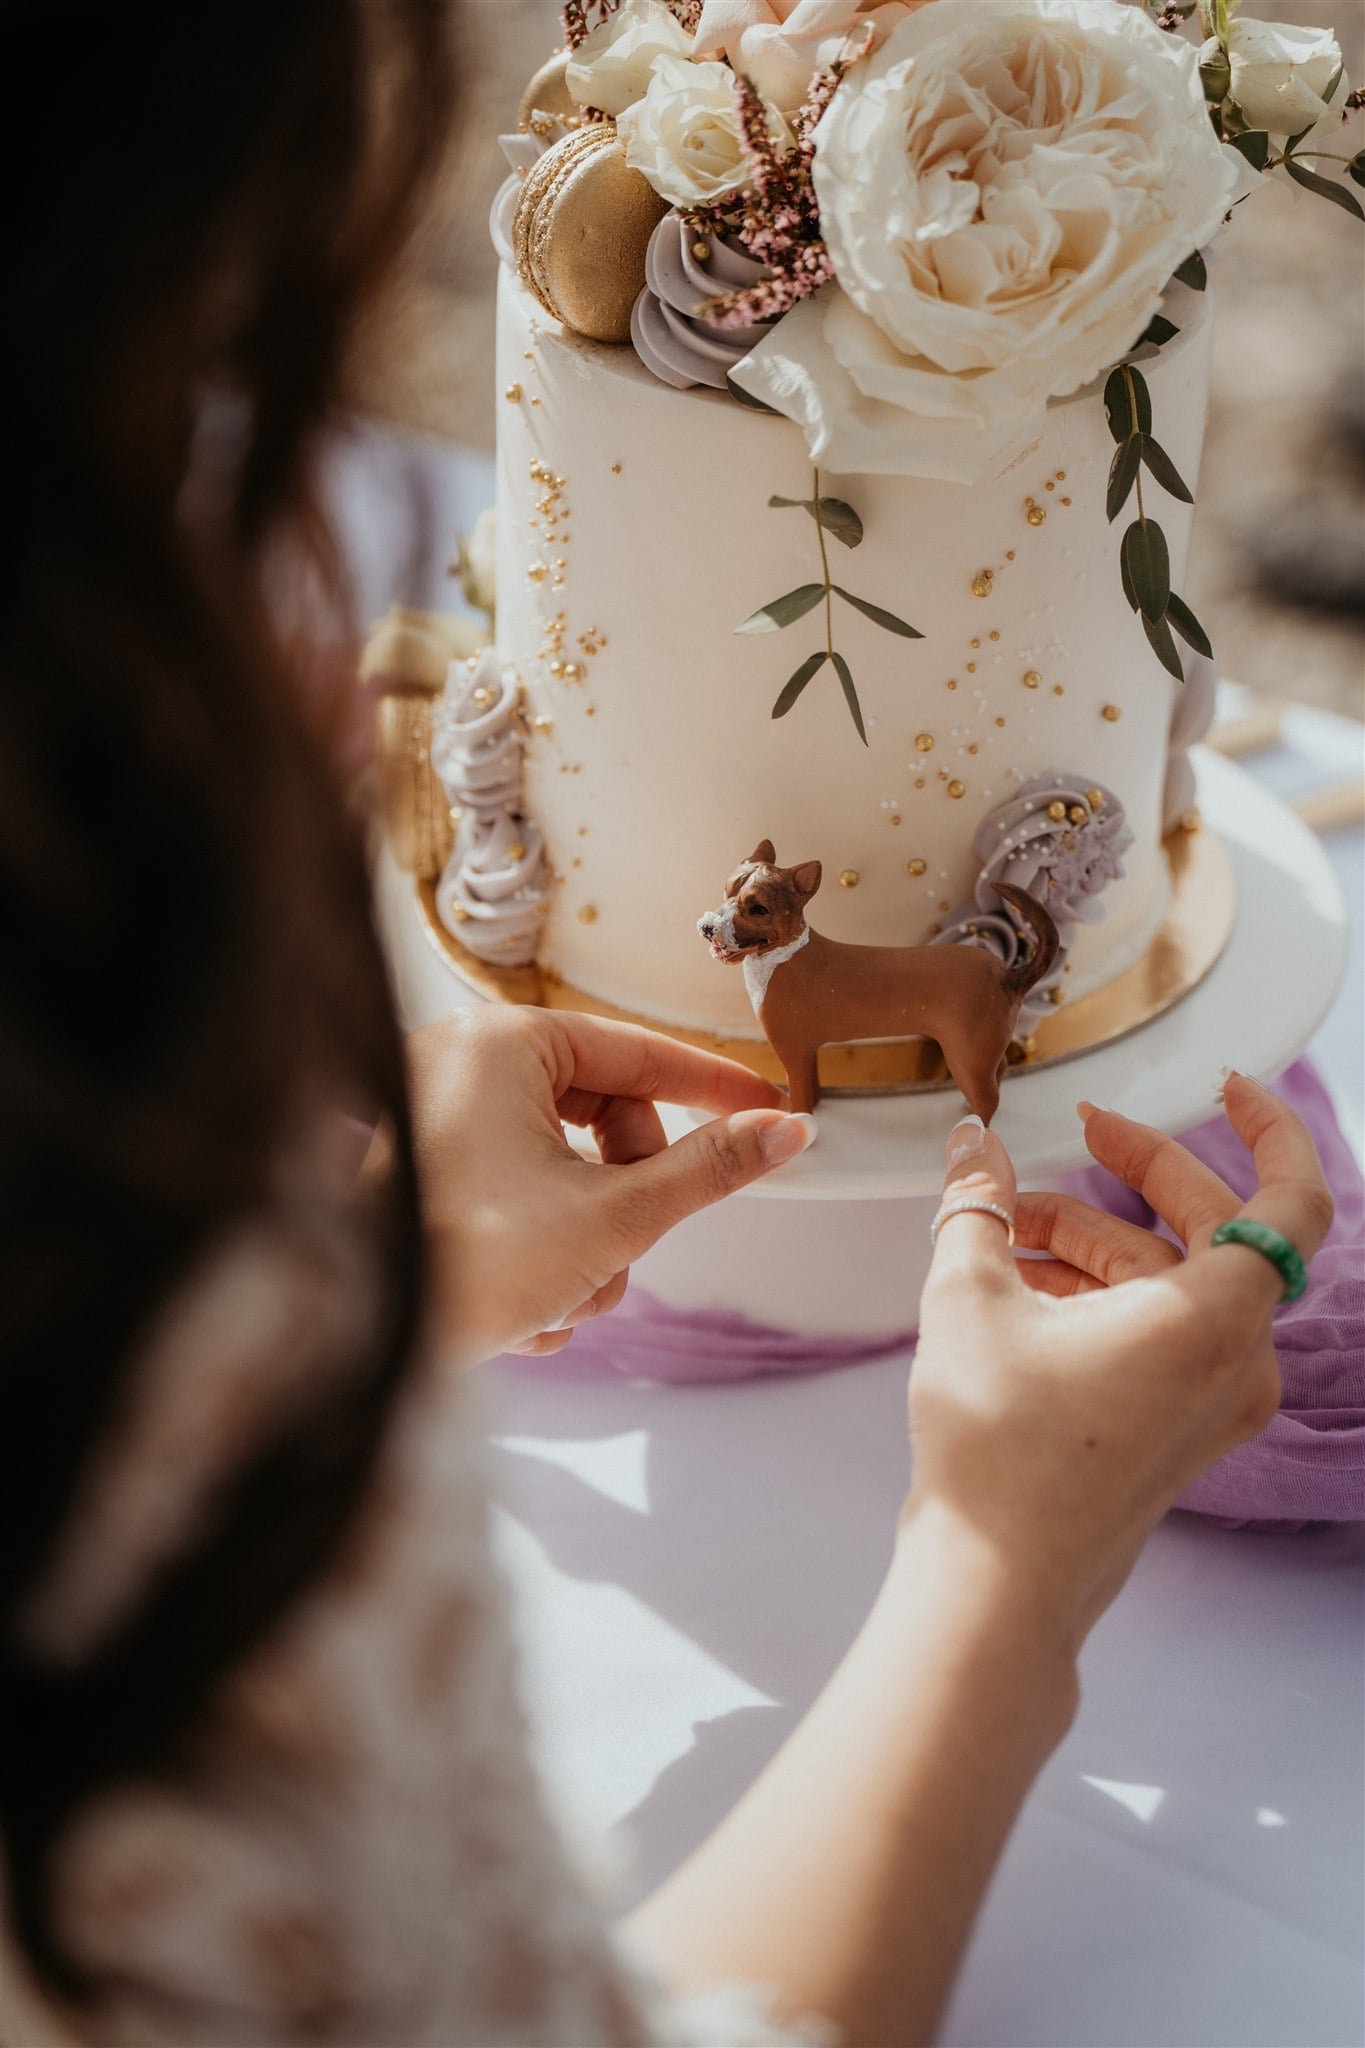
672	337
1061	837
1191	717
495	887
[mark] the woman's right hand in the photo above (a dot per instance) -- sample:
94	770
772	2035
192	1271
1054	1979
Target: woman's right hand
1059	1407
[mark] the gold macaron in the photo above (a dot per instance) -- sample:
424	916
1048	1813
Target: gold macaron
547	93
581	229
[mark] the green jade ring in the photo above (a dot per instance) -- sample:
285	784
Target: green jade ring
1286	1258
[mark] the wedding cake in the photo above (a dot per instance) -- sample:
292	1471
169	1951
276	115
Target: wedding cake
853	363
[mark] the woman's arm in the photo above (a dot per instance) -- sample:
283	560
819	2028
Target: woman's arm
1049	1436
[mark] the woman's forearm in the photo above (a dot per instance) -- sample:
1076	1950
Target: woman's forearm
848	1877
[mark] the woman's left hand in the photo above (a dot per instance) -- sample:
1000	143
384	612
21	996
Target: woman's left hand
528	1238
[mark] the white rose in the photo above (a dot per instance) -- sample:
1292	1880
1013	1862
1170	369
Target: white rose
1004	188
1280	76
611	68
684	135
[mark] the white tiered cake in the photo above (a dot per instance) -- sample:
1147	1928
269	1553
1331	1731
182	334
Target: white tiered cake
635	535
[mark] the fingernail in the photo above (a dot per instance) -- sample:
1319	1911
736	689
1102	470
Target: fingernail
1086	1109
966	1139
785	1136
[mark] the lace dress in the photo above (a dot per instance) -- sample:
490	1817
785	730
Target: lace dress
356	1850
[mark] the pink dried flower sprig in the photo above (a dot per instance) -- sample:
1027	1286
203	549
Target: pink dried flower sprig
575	16
776	217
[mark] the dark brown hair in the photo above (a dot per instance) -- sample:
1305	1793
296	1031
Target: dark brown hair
202	199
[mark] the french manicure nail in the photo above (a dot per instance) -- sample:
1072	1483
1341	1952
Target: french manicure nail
966	1140
786	1136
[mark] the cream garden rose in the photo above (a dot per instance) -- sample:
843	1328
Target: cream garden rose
1281	74
684	135
1005	189
612	67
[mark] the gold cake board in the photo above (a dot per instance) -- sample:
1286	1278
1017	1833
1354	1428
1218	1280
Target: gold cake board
1192	935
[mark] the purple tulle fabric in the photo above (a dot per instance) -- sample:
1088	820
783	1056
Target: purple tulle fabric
1307	1467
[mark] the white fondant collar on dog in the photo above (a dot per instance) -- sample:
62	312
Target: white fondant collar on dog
759	969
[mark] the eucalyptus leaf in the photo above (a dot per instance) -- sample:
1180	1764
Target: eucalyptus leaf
1142	397
1118	406
839	519
1215	71
1333	82
795	684
1179	615
746	398
1122	474
1355	169
850	695
784	611
1254	145
801	504
1192	272
1324	187
1232	120
1158	331
1145	555
1163	647
886	619
1295	140
1129	590
1165	471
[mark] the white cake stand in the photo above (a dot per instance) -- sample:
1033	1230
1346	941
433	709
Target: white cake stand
851	1258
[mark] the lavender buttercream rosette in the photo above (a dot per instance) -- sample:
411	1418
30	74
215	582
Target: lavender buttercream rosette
495	886
1061	838
669	329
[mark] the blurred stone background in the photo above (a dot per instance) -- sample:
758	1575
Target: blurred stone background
1278	573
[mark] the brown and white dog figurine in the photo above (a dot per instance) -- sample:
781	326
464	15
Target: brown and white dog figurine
809	991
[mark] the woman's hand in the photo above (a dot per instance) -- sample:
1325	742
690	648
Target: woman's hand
1058	1407
529	1239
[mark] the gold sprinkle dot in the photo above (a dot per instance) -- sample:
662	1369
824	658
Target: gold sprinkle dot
972	749
1035	514
535	401
1078	814
981	583
702	251
516	851
543	726
536	573
1009	554
976	643
1049	485
1111	712
1066	501
1059	690
1061	476
924	743
915	867
957	789
934	930
573	672
1032	679
556	668
971	669
951	685
919	782
1000	721
513	394
1056	995
483	696
588	914
995	636
895	817
1095	799
616	469
1056	810
1028	1046
459	913
849	879
528	355
944	904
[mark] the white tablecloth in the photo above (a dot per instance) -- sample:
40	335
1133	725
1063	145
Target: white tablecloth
687	1566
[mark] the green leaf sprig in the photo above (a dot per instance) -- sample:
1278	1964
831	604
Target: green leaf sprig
834	517
1144	559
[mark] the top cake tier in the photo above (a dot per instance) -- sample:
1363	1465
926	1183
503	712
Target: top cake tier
635	534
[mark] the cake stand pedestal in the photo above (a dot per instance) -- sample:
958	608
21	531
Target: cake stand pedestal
838	1241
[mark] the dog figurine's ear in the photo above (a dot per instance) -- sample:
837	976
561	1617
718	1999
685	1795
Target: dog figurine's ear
763	853
807	877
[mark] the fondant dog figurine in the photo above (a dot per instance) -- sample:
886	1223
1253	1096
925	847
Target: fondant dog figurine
808	991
